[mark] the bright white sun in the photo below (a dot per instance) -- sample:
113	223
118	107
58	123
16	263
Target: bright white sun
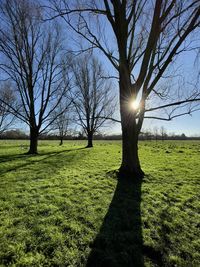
135	105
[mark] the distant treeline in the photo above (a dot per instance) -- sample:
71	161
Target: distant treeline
20	135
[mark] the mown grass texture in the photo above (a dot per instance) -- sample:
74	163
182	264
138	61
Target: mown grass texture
65	206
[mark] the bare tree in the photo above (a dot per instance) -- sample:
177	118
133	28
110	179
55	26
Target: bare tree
155	131
148	37
163	133
6	118
92	96
148	134
32	58
63	120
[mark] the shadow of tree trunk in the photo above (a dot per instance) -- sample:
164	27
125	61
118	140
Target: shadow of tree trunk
119	242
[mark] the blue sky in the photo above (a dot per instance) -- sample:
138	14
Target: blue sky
188	68
190	125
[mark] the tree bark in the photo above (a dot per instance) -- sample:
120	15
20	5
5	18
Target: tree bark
33	141
90	139
130	165
130	160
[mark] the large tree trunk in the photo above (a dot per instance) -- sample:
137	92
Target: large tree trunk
130	160
90	139
130	165
33	141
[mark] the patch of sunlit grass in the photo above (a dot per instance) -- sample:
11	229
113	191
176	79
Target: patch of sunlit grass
53	205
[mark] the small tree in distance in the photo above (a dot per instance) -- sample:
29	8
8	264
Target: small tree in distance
92	96
155	131
163	133
62	120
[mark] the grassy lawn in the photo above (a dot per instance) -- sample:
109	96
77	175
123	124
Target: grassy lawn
64	207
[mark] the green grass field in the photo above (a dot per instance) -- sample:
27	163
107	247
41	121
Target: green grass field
65	206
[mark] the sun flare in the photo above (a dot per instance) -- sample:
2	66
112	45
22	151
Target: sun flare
135	105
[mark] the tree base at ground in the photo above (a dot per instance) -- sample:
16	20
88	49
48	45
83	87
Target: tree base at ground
31	153
89	146
130	174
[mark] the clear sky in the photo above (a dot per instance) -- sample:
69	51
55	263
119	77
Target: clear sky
188	67
189	124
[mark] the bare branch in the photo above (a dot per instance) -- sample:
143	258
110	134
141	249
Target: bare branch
173	104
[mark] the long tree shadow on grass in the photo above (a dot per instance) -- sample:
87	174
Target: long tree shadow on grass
29	159
119	242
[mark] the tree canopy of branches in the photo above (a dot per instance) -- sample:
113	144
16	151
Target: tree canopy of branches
92	96
141	39
32	59
6	118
